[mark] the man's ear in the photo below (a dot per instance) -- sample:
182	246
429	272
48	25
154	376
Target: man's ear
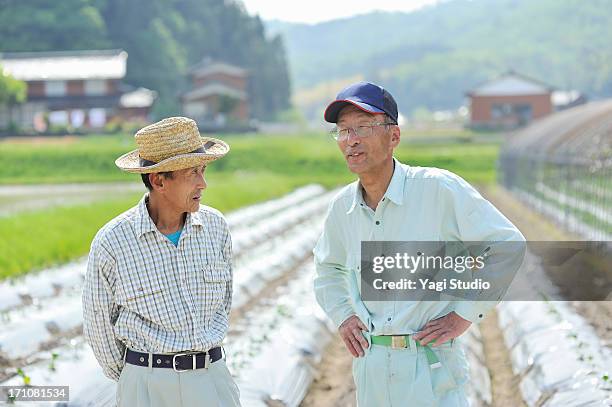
395	136
157	181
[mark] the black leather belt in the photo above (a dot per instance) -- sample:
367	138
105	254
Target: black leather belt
180	362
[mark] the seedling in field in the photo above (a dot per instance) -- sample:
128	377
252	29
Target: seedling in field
54	357
25	377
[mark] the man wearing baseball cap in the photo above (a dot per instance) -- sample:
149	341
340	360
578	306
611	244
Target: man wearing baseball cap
158	287
405	352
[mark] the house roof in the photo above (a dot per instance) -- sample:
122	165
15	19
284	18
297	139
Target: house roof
511	84
208	67
213	89
65	65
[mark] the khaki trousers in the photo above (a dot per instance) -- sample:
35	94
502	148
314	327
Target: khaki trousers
387	377
154	387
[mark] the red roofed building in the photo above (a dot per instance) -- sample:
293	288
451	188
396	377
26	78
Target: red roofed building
509	101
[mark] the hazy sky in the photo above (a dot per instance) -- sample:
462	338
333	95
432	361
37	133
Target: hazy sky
314	11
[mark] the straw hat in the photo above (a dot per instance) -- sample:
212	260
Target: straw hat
169	145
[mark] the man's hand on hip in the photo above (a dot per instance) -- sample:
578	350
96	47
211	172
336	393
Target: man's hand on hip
350	332
443	329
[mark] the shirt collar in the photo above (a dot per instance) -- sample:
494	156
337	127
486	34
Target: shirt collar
395	190
194	219
144	223
357	198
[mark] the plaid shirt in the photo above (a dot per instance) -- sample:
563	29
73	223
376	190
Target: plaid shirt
142	292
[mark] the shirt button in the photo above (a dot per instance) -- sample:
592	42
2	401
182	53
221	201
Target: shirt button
389	319
480	315
377	222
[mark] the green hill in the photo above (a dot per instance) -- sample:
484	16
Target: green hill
431	57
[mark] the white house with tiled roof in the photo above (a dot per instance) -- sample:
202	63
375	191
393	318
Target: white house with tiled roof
77	88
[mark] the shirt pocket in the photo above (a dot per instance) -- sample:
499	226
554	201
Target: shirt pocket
147	299
216	275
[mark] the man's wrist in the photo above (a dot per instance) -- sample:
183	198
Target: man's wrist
346	319
341	317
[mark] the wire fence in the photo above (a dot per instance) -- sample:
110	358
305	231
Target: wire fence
562	166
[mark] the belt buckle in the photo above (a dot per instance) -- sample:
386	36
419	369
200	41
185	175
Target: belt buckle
193	361
206	360
398	342
174	362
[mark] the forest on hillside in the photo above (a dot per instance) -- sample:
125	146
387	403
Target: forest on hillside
163	39
432	56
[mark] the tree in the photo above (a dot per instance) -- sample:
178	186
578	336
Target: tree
12	91
162	38
222	30
146	30
44	25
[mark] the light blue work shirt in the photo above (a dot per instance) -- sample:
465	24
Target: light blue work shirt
420	204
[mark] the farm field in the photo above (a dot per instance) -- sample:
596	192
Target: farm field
57	193
257	168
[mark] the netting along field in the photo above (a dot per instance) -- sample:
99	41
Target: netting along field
562	166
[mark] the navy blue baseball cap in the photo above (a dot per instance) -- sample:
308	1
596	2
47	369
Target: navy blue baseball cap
366	96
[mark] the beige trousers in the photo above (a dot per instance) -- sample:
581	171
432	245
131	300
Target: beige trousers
153	387
387	377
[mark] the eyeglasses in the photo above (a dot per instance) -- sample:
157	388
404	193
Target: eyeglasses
360	131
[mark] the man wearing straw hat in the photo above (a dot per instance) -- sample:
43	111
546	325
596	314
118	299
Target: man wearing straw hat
404	350
157	292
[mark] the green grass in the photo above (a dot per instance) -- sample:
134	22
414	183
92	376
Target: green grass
37	239
459	134
474	162
84	159
34	240
257	168
91	159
